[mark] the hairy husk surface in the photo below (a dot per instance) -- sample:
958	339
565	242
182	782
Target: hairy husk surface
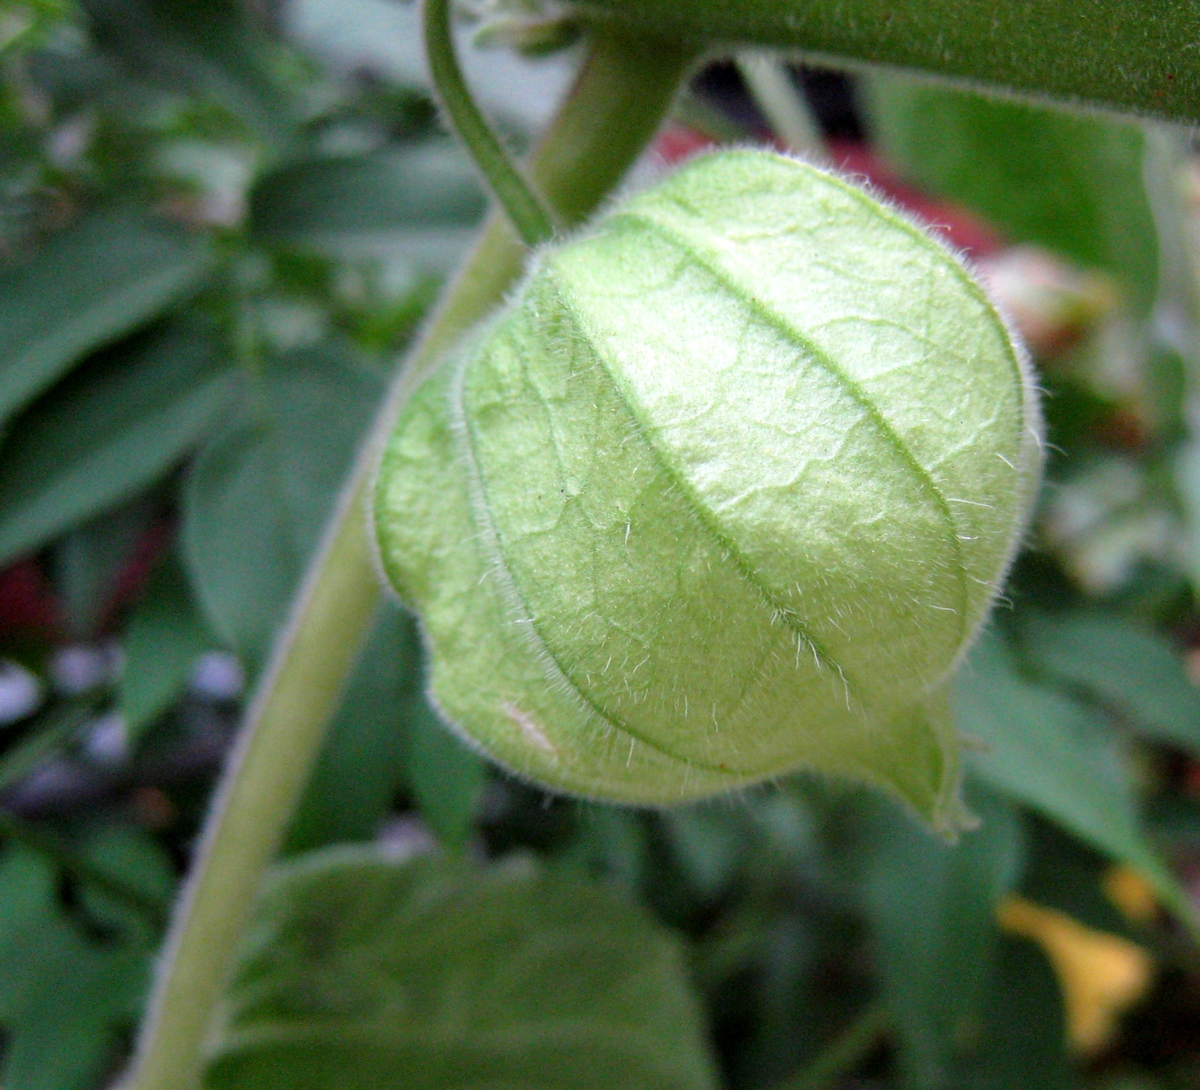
727	490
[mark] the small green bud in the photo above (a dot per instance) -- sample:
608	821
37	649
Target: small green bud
727	490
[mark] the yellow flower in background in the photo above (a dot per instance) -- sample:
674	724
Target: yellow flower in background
1101	975
1131	893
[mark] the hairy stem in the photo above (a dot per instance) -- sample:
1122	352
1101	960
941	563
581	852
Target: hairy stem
620	96
529	216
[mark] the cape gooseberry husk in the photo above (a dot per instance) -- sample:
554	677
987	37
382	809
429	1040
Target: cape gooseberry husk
725	491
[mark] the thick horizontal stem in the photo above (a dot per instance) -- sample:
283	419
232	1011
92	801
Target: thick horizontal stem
1125	55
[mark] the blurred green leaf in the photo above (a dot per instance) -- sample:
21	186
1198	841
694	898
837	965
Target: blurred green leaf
216	49
71	986
86	563
1060	758
386	736
109	430
932	909
1067	181
361	765
163	639
414	207
260	491
28	23
1133	670
1023	1044
446	777
365	974
47	734
610	842
1067	875
1175	820
424	198
708	843
108	273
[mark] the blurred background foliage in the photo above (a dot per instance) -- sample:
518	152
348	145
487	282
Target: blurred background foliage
220	225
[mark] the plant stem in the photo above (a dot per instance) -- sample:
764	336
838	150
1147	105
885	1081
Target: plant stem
531	219
619	98
782	103
844	1053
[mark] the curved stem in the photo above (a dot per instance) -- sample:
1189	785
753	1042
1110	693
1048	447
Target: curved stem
620	95
531	219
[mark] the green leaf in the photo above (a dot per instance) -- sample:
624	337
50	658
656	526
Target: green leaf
1125	54
361	765
1070	182
163	639
610	842
216	49
49	733
385	736
108	273
932	910
1060	758
71	986
638	570
446	776
1068	875
366	974
424	198
260	491
1024	1026
86	562
1133	670
108	431
708	846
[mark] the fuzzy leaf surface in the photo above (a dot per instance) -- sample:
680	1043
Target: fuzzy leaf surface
366	974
